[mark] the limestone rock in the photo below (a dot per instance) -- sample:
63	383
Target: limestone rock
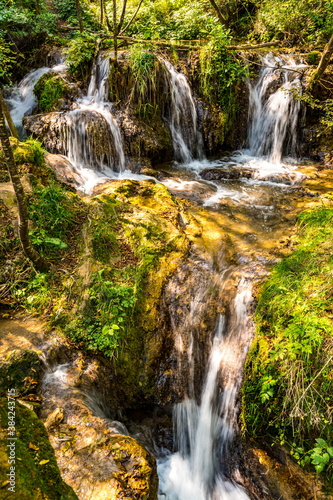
37	476
64	170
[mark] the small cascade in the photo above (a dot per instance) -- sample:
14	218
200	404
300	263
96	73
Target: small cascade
203	464
82	147
22	100
273	109
187	140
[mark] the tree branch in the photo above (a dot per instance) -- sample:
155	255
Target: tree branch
122	15
132	19
217	9
323	63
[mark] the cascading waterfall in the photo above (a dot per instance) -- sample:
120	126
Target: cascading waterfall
203	466
204	433
22	100
274	116
187	140
76	136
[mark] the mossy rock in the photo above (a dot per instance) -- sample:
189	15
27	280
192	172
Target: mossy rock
29	157
37	476
21	370
49	91
137	467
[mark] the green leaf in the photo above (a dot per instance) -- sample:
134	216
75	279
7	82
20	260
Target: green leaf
321	442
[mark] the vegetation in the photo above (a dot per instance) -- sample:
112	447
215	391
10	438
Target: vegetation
36	471
289	378
49	90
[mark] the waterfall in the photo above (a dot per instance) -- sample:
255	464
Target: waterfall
78	142
187	140
22	99
200	468
273	109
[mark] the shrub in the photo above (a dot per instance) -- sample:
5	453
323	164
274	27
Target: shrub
49	90
288	381
80	54
309	21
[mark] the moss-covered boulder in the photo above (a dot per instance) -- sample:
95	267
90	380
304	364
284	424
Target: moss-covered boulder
20	370
51	92
28	467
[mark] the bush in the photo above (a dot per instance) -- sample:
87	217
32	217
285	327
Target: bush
54	212
80	54
173	19
49	90
220	70
110	312
289	381
295	22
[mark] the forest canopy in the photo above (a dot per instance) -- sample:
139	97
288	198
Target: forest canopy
26	25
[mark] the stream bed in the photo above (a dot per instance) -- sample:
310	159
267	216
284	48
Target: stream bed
247	201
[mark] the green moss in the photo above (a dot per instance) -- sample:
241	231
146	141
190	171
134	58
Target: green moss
136	243
49	91
288	378
37	476
313	57
20	370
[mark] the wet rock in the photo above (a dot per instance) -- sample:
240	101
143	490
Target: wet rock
20	370
213	174
55	418
235	172
273	475
64	170
94	457
146	140
36	476
54	129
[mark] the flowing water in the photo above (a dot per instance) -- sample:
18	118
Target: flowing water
186	138
22	100
203	465
76	136
253	207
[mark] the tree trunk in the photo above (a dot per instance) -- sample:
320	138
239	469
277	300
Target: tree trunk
79	14
219	13
115	31
37	260
324	61
101	14
9	120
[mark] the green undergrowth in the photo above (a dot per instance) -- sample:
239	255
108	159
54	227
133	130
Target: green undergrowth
35	473
127	240
221	72
288	387
49	90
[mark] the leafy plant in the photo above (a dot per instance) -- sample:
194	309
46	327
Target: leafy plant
52	210
144	65
110	314
49	90
38	151
7	57
289	382
80	54
321	456
309	21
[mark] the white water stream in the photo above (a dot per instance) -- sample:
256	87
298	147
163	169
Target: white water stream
203	466
203	462
186	138
22	100
76	136
204	432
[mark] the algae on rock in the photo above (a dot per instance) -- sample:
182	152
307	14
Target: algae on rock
37	476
